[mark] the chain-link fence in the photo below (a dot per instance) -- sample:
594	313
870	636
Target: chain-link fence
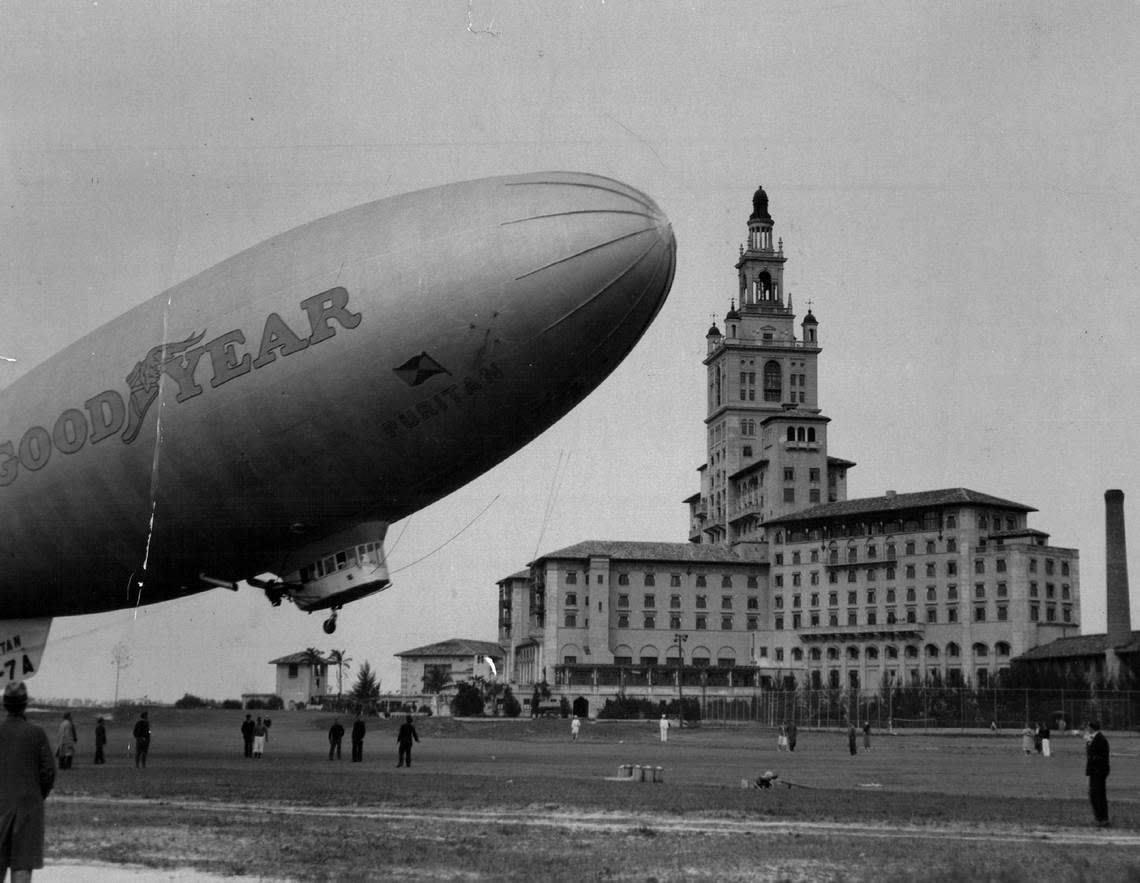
929	708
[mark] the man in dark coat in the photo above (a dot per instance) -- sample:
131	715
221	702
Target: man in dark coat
1096	768
100	740
247	734
404	740
358	739
141	733
792	733
27	772
336	733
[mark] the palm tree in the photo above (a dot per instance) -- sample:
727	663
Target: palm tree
436	677
313	658
341	660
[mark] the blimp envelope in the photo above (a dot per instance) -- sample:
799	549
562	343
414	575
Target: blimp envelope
279	409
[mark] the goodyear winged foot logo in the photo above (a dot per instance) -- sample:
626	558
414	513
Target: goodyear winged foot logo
107	414
144	380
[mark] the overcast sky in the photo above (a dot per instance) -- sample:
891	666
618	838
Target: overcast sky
956	191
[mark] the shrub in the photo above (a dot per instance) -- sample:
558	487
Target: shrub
231	704
189	700
511	705
468	701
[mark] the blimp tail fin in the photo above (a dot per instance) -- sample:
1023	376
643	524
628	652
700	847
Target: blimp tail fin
22	643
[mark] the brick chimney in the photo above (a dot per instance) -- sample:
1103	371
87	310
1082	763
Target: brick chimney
1116	580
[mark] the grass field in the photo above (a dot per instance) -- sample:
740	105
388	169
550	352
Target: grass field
490	800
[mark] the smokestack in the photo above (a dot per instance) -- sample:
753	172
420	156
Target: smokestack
1116	576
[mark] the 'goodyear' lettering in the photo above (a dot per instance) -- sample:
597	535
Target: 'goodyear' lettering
109	414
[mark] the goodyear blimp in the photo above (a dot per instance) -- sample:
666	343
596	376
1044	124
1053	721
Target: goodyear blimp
267	419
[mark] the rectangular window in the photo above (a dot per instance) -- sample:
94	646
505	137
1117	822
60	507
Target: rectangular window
910	547
979	590
813	495
726	623
623	601
700	580
930	571
979	614
951	614
795	557
650	601
702	602
726	582
813	474
674	620
1002	613
623	579
293	670
623	622
909	572
932	614
1032	589
571	577
789	495
753	582
1034	612
789	473
650	580
674	602
779	623
1002	590
571	599
1033	565
753	623
650	621
702	622
1000	565
872	617
571	621
674	580
796	581
569	660
726	602
951	568
930	548
753	602
778	580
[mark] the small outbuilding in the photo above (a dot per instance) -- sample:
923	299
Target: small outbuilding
454	660
302	678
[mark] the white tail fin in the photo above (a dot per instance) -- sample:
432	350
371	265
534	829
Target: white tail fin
22	644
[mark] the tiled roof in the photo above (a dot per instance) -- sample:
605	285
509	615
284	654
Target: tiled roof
648	551
900	502
1079	645
301	657
457	647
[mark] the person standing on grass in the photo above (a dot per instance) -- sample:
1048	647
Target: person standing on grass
260	734
1096	768
100	741
866	735
336	733
792	736
358	739
575	727
404	740
27	773
663	727
782	738
68	739
1027	740
247	735
141	734
851	745
1046	751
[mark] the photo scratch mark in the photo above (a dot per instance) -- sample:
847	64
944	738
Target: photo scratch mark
488	29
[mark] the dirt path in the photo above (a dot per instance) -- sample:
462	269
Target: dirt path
614	822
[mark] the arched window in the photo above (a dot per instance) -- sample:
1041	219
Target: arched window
953	651
800	434
814	654
892	651
931	651
911	651
872	653
832	652
981	649
791	433
852	652
1001	648
811	434
773	382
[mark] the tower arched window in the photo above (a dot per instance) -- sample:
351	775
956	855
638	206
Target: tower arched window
764	285
811	434
791	433
773	382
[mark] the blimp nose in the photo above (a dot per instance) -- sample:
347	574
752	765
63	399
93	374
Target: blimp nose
608	261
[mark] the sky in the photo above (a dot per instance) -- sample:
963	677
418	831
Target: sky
955	186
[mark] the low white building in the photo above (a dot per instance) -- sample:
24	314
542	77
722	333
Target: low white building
301	678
